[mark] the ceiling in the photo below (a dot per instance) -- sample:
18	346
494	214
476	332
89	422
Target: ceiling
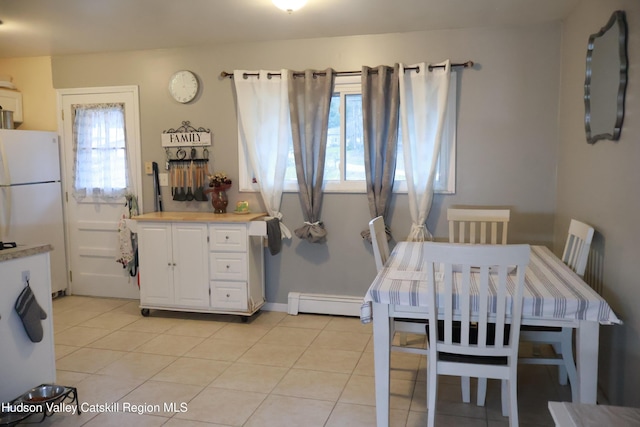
59	27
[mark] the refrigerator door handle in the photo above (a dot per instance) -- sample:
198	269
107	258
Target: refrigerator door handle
5	211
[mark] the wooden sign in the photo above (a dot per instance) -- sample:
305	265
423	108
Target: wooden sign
186	139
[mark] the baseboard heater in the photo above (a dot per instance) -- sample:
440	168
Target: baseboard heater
340	305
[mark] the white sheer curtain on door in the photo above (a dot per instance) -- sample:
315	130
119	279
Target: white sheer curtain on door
100	151
265	132
423	104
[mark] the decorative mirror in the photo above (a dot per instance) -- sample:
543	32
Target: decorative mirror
606	80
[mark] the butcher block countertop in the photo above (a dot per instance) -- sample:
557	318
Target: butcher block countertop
24	251
198	217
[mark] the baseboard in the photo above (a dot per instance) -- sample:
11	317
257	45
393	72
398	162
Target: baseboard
274	306
341	305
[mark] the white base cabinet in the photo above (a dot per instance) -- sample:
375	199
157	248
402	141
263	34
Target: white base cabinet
173	264
214	266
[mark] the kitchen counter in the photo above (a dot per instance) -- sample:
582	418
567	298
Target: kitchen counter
198	217
24	251
201	261
25	363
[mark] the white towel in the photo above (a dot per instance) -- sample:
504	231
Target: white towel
126	248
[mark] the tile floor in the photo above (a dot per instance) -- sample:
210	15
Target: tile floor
275	370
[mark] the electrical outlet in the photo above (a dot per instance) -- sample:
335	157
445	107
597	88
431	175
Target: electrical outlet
148	168
26	276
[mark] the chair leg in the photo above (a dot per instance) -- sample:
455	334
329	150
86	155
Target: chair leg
392	331
465	385
504	397
569	363
403	338
482	391
562	370
513	401
562	374
432	393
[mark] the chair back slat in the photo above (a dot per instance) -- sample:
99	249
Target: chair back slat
484	306
485	226
577	246
501	307
448	304
465	305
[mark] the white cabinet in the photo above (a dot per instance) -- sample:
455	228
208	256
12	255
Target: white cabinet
236	264
173	265
12	100
213	266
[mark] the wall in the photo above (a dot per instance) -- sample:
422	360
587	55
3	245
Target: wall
32	77
507	132
598	184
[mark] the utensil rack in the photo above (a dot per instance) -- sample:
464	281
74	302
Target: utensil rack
70	395
188	179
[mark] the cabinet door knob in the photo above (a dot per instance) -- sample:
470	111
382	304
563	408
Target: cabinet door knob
228	266
228	295
226	237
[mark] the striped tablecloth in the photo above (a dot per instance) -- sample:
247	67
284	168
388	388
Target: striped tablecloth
552	290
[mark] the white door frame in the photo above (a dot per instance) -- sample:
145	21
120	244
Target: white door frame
136	149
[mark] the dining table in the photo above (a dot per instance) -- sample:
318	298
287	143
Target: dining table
554	296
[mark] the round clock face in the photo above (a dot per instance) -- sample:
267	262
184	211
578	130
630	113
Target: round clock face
183	86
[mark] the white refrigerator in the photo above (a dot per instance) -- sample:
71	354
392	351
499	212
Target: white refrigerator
31	195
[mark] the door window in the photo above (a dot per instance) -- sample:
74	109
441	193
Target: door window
100	151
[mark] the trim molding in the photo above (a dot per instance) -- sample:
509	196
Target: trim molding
341	305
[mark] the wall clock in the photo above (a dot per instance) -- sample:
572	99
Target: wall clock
183	86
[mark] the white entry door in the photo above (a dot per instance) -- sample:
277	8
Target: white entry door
93	237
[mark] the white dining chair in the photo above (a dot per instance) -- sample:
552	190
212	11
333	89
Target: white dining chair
575	255
477	226
480	332
379	241
484	226
380	246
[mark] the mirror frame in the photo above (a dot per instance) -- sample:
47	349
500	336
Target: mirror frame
618	17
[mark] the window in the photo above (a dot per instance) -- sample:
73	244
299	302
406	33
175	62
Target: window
100	167
344	163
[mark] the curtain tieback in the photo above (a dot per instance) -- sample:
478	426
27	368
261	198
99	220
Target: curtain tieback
312	223
286	233
419	233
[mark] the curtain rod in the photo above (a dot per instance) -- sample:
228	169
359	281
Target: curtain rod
467	64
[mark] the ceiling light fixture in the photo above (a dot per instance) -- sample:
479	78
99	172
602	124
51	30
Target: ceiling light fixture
289	5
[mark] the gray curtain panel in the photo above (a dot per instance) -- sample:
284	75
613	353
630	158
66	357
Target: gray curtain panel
309	102
380	110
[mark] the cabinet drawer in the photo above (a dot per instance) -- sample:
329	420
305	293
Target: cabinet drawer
228	266
228	238
229	295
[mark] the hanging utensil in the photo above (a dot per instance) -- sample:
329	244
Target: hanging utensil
189	195
156	186
174	180
181	195
199	193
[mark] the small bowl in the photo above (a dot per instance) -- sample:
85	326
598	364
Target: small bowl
43	393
